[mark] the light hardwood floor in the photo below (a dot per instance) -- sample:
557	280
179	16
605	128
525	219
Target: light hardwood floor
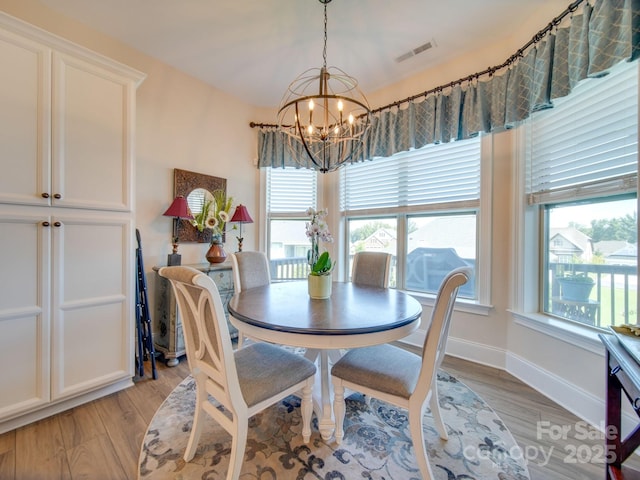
101	440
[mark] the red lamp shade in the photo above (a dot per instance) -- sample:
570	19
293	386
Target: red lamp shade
179	209
241	215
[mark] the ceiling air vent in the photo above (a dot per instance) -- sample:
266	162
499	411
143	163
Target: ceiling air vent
416	51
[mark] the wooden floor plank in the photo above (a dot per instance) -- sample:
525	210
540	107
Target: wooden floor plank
96	459
80	424
125	427
40	451
8	465
101	440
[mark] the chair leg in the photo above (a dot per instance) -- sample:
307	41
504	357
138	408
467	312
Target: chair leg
338	409
434	405
238	446
198	421
417	437
240	340
307	409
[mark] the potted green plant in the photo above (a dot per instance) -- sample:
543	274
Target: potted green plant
575	286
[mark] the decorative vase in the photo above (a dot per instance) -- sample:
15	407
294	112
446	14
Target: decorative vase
319	286
216	253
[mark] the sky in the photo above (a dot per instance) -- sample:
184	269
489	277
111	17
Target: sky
583	214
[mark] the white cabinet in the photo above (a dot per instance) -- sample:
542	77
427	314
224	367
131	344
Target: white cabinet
65	128
66	224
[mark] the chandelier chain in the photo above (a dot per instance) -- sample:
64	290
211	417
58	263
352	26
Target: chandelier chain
324	50
324	115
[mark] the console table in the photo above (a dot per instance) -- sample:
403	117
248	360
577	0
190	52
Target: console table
167	327
623	375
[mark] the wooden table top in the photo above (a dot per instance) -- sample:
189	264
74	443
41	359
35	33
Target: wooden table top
351	309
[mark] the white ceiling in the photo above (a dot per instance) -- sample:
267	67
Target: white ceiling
254	48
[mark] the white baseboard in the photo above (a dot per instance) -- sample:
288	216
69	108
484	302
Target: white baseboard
584	405
581	403
477	352
457	347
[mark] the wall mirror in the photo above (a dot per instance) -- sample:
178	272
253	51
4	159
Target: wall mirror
197	188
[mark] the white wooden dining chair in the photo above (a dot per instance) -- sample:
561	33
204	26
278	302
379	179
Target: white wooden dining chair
250	270
402	378
371	268
244	382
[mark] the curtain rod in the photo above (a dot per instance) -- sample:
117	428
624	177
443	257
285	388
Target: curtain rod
489	71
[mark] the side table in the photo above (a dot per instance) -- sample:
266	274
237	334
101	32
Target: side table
167	327
623	375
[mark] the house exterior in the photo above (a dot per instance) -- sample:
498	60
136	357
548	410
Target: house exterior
382	240
566	245
617	252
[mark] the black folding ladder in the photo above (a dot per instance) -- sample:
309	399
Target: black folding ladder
145	350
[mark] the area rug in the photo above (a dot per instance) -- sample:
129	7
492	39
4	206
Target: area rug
377	443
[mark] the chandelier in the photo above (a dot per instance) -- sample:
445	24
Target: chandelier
324	116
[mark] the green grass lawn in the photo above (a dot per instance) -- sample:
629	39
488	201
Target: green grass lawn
605	306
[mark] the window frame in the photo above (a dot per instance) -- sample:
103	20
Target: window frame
265	232
527	289
484	209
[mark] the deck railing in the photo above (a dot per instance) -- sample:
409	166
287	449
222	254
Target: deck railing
613	300
292	268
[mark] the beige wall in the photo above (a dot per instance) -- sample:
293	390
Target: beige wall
186	124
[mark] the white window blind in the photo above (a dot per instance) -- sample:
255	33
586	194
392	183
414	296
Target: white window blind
587	145
291	190
434	174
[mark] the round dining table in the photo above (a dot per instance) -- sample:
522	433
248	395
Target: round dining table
353	316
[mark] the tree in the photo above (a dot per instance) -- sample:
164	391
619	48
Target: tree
620	228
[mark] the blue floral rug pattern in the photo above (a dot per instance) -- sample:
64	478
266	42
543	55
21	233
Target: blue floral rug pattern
377	443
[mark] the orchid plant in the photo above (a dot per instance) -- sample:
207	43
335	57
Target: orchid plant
317	230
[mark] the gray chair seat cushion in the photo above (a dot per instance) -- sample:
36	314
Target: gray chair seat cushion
265	370
385	368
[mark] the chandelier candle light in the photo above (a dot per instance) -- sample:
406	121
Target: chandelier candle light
337	112
321	266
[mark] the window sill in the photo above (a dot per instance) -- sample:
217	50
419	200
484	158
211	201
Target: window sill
581	336
462	305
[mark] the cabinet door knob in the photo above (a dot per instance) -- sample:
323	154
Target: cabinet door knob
57	196
45	195
57	224
46	224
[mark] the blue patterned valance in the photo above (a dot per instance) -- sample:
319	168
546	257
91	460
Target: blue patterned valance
587	44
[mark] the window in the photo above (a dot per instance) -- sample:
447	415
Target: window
290	192
581	172
422	206
373	235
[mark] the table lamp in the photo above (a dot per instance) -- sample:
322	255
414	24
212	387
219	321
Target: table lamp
178	209
241	215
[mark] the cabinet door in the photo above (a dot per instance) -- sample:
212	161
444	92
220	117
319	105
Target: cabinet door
92	308
24	313
24	120
92	135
